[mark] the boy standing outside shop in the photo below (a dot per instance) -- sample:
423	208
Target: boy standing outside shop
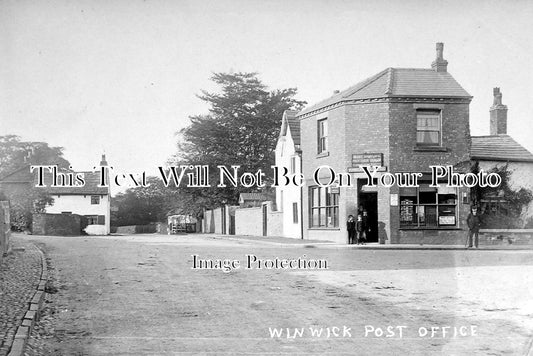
350	226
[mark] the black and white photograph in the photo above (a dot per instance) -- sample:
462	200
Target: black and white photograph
246	177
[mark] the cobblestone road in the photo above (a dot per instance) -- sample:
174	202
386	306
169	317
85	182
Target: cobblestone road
20	272
137	295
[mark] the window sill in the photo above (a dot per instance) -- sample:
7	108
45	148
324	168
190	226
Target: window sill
430	149
431	228
322	154
325	228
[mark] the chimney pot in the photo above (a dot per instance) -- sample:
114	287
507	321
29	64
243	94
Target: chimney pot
103	162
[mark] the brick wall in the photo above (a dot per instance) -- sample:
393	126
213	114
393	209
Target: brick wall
249	221
404	157
5	229
367	131
491	237
455	137
335	158
57	224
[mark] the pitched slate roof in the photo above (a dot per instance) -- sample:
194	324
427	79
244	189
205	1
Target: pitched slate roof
398	82
92	180
291	123
20	175
498	148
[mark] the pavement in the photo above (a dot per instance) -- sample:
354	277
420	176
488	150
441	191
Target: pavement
20	276
291	242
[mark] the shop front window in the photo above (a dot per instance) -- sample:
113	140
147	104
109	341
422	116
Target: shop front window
428	207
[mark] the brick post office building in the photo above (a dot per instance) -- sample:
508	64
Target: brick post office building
403	120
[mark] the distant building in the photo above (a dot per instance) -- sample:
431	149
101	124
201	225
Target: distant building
250	200
289	157
499	150
90	200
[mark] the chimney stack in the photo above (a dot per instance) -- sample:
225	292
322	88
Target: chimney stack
440	64
498	115
103	162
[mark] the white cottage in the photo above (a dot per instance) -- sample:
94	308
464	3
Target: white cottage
289	155
91	201
500	150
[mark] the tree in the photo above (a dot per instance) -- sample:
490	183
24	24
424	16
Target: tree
15	153
241	128
502	206
25	204
143	205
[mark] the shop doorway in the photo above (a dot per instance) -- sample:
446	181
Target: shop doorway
369	202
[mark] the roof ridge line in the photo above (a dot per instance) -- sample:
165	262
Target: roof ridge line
367	82
390	81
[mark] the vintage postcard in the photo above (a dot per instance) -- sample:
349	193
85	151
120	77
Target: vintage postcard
266	177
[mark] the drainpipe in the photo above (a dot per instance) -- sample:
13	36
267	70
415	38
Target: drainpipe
301	202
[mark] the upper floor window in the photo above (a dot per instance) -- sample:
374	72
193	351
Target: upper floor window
293	164
95	199
322	135
428	128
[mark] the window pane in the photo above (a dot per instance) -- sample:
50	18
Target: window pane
315	200
322	217
322	196
315	217
408	216
427	137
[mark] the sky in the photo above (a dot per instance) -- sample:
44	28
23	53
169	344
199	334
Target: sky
122	77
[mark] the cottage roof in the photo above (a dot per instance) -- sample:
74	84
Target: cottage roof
398	82
20	175
92	180
498	148
254	196
290	122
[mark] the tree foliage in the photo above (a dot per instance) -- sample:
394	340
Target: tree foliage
241	128
24	204
502	207
15	153
143	205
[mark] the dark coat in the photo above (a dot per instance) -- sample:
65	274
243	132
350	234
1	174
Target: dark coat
474	222
359	226
350	225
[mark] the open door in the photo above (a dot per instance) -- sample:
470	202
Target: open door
369	201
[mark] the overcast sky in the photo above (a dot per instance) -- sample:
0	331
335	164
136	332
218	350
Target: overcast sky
122	76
